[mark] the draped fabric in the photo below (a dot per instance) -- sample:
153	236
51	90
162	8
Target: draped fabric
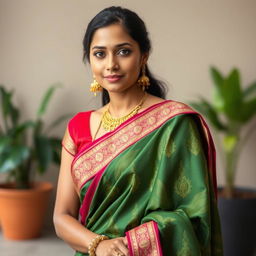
153	180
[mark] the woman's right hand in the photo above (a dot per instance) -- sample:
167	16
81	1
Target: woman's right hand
113	247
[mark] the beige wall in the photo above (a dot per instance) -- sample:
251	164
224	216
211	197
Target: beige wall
40	43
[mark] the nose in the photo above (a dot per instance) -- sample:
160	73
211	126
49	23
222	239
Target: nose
112	63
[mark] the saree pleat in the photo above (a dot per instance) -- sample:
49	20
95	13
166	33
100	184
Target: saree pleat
159	193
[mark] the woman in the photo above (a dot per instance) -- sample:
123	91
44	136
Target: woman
137	176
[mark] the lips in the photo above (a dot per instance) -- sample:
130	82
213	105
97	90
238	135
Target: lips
113	78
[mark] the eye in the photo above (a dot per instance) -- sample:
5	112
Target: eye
124	52
99	54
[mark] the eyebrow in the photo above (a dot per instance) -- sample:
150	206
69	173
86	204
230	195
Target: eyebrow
118	45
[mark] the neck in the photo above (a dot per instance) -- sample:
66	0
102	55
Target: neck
121	103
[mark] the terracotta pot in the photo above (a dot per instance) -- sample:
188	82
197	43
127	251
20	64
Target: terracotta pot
23	211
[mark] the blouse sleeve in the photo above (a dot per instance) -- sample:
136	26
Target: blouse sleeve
68	143
77	134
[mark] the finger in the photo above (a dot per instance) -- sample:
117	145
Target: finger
123	248
120	247
119	252
125	241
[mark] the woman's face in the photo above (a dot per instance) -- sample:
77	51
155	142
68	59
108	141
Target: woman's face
115	58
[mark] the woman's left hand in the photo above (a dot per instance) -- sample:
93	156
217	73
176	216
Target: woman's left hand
113	247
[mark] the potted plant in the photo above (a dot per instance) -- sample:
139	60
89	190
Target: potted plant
230	110
25	147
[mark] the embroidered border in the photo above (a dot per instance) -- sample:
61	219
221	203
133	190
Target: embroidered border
144	240
68	143
93	160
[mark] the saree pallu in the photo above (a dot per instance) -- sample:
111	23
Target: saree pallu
152	180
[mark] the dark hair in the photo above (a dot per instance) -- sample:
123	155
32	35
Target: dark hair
136	29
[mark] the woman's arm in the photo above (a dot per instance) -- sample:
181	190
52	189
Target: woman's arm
66	209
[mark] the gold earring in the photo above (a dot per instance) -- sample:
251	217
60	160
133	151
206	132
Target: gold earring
95	87
144	81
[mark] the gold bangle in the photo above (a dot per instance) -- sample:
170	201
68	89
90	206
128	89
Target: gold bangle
94	243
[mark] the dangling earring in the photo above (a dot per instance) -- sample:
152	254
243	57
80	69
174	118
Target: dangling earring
143	81
95	87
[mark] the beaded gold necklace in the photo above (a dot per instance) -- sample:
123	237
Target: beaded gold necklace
109	123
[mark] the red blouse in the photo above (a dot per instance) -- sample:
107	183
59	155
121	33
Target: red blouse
78	133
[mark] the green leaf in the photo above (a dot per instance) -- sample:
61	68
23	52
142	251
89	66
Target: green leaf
250	91
38	127
230	142
20	129
44	153
218	80
13	157
231	95
8	109
248	110
5	143
5	99
210	113
218	101
46	99
56	146
217	77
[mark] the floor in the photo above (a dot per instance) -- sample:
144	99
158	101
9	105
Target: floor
48	245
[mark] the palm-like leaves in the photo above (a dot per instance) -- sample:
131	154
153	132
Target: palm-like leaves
231	108
16	154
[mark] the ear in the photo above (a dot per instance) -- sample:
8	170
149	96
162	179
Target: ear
144	58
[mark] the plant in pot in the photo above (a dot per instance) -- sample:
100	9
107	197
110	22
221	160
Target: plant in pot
230	110
25	147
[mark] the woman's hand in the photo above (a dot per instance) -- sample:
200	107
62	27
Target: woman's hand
113	247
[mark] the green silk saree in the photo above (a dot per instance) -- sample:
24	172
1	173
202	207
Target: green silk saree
153	180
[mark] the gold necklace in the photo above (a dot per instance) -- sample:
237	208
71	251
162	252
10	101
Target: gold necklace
109	123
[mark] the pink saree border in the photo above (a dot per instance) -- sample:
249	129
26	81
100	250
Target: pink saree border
84	209
97	156
102	138
144	240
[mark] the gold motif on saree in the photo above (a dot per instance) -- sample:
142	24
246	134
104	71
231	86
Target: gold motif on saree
137	129
152	120
112	148
185	250
97	157
166	111
193	143
183	184
170	147
125	138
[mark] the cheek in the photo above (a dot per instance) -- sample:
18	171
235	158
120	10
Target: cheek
95	67
133	66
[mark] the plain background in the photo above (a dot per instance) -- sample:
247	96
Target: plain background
41	44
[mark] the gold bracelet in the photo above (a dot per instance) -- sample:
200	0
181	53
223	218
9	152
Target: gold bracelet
94	243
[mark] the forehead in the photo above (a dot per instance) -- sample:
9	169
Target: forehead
110	36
